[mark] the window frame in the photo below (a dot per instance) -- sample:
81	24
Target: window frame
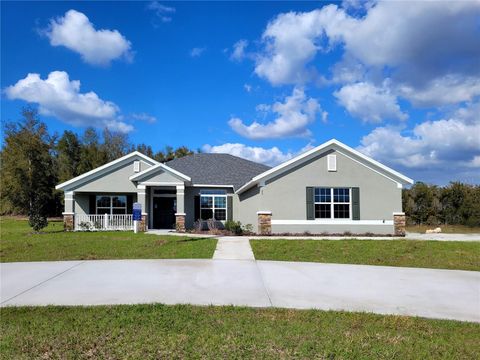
111	207
214	206
332	204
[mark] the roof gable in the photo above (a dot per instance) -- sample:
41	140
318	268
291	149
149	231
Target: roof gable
331	144
149	173
95	173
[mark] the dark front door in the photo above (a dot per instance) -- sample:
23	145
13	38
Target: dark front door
163	213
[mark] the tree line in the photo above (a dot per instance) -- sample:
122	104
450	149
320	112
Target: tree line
33	161
455	204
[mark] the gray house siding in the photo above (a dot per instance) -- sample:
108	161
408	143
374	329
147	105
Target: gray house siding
285	196
116	180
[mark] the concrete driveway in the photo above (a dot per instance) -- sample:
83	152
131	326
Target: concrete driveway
446	294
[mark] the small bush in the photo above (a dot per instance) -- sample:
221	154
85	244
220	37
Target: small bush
234	226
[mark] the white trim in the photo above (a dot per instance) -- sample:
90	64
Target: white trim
136	166
398	213
331	162
159	166
160	183
141	187
103	167
141	193
68	213
303	157
180	214
264	212
212	186
332	222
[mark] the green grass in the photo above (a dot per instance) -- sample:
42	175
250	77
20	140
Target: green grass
411	253
448	229
181	331
19	243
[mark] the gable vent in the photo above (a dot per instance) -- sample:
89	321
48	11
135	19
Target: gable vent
136	166
332	162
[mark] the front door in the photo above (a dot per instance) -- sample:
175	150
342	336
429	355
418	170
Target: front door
163	212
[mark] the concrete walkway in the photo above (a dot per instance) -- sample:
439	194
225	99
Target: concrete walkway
446	294
233	248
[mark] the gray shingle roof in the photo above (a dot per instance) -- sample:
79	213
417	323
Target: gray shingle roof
217	169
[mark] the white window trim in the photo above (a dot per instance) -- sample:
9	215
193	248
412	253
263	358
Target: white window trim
213	208
111	207
332	204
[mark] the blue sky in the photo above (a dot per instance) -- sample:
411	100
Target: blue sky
260	80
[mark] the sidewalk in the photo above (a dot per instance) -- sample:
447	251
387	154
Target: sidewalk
233	248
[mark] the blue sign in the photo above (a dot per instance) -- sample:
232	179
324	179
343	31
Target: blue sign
137	211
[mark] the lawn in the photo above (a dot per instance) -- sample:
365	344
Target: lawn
182	331
448	229
19	243
411	253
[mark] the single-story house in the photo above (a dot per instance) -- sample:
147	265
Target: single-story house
331	188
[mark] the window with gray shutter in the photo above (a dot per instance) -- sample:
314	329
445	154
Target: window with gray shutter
355	203
310	205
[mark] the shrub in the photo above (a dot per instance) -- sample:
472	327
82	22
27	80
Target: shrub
234	226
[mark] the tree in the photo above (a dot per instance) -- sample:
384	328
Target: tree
92	155
145	150
114	145
28	171
68	156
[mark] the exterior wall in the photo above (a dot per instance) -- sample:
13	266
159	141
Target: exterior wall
115	181
161	176
285	197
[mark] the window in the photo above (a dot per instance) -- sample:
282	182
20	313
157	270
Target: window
213	205
111	204
332	203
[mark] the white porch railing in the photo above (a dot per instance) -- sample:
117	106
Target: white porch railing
106	222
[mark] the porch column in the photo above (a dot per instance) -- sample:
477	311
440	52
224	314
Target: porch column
69	213
142	199
180	214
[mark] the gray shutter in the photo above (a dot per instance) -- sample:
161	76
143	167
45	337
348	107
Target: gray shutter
310	204
355	203
229	208
196	207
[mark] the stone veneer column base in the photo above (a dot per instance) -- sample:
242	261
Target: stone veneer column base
180	222
68	222
264	222
142	226
399	222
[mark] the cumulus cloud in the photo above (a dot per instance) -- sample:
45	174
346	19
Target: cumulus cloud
292	118
238	53
162	12
450	143
77	33
197	51
144	117
391	37
369	103
272	156
60	97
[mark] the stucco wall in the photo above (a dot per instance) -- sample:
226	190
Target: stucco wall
161	176
285	196
116	180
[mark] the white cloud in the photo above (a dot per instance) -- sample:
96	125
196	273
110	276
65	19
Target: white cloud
144	117
293	117
390	38
272	156
238	53
59	97
162	12
197	51
77	33
452	143
447	90
369	103
247	87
